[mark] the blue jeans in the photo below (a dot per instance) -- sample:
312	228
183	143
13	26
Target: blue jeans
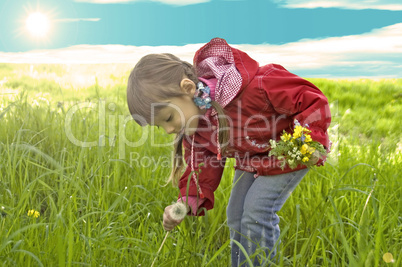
251	212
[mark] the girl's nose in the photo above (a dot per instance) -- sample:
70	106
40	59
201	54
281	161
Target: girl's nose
169	129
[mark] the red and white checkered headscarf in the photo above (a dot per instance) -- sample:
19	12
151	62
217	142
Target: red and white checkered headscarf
215	59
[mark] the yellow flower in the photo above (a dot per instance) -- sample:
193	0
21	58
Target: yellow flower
286	137
388	258
305	159
304	149
306	130
311	150
33	213
307	149
308	138
298	131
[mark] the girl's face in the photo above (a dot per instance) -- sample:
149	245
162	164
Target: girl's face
180	115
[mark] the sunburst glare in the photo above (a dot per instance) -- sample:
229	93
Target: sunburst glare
37	24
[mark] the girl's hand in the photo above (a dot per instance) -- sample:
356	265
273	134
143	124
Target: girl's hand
168	222
315	157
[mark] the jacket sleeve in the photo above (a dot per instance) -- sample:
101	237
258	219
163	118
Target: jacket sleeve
208	172
294	96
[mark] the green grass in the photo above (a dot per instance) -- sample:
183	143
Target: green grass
99	207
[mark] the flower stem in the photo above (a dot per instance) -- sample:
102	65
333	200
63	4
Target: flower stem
157	254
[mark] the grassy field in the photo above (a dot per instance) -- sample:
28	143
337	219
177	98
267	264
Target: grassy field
69	152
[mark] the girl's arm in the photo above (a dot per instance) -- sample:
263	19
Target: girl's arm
208	172
294	96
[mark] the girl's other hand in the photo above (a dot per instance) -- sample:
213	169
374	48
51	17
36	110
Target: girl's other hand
168	222
315	157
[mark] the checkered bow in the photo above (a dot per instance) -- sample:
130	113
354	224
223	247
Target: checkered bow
215	59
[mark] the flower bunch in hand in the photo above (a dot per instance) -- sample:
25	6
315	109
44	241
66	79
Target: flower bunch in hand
297	148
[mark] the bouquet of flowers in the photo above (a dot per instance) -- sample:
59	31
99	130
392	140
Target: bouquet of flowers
297	148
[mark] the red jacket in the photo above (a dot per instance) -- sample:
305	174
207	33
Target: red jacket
268	102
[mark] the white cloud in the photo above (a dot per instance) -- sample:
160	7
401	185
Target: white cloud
168	2
374	54
346	4
377	53
96	54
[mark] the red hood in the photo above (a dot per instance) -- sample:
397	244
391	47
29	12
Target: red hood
228	64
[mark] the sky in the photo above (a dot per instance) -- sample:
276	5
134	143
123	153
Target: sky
311	38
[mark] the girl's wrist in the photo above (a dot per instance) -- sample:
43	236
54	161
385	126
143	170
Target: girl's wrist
186	204
192	203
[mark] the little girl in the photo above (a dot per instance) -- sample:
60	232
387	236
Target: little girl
227	106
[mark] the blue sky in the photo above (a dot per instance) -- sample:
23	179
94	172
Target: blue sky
315	38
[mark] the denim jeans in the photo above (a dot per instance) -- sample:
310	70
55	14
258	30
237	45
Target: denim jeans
252	209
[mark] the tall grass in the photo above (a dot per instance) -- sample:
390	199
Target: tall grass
102	205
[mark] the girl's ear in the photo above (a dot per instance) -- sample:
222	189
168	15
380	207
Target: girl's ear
188	86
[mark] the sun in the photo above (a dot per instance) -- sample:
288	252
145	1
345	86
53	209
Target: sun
37	24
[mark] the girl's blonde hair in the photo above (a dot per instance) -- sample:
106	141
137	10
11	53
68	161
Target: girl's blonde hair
156	78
